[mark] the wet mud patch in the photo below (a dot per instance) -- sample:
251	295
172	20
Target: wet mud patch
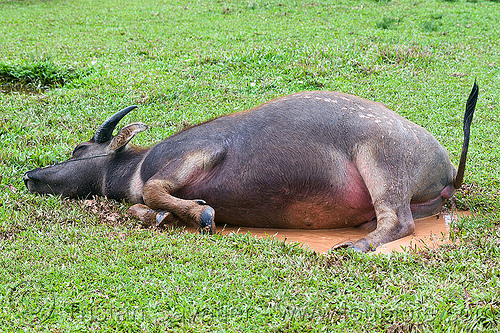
429	233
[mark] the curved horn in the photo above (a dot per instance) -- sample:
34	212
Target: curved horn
105	131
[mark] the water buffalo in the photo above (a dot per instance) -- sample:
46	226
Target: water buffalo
311	160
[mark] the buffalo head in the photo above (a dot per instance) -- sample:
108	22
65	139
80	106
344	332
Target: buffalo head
84	173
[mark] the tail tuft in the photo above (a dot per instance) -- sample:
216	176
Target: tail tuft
469	113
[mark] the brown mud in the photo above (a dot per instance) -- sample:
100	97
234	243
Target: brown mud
430	232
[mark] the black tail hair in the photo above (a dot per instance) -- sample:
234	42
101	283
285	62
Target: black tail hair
469	113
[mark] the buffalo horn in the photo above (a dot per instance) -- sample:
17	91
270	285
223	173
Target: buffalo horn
105	131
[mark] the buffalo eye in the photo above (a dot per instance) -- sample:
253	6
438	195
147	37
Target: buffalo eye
79	148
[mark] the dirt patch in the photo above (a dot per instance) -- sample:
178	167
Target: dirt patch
11	233
20	89
106	210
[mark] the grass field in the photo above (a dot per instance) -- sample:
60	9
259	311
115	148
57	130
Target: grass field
65	66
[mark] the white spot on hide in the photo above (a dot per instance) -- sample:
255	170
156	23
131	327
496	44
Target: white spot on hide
136	184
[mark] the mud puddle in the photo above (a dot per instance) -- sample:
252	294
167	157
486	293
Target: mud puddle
429	232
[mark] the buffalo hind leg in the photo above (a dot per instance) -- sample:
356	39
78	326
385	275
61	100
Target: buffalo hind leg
392	223
390	192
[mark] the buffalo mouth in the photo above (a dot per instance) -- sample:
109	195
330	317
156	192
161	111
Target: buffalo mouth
35	185
27	180
30	182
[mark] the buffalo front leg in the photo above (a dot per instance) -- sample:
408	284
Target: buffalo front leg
193	212
152	218
158	190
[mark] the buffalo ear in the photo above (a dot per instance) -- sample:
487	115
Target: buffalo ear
125	135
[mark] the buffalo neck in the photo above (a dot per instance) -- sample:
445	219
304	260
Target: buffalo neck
120	173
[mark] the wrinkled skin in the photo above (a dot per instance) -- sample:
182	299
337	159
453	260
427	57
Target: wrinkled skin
311	160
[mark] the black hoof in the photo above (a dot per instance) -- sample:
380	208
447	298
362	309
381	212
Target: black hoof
207	221
160	219
349	246
355	249
164	219
341	246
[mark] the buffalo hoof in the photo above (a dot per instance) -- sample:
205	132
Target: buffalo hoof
145	214
152	218
349	246
207	221
355	249
164	219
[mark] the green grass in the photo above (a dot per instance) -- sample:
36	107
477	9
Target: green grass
36	75
82	266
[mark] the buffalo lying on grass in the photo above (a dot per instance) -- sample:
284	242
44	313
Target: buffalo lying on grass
311	160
